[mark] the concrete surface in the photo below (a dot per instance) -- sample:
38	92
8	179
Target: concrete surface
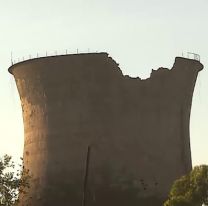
137	130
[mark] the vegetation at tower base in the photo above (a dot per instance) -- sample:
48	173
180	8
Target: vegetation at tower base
191	189
13	183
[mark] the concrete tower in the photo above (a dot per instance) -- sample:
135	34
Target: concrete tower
133	134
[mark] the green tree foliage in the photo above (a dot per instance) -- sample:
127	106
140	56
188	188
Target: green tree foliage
12	182
190	190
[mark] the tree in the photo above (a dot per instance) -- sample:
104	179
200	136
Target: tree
12	182
191	189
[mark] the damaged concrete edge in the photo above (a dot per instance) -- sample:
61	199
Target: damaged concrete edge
178	60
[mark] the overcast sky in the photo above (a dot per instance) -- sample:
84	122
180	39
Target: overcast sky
139	34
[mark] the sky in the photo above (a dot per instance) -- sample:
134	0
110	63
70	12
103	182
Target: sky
140	35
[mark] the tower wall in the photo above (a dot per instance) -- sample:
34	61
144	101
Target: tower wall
137	130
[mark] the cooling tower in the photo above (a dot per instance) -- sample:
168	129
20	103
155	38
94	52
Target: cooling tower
92	133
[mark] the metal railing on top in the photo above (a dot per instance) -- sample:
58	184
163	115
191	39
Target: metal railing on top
46	54
194	56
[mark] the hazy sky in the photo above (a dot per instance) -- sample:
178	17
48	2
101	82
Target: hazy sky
139	34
